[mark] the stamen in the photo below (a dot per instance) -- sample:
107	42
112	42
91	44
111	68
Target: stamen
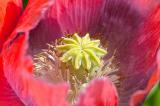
75	60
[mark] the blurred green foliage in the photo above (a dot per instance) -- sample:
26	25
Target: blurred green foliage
153	98
25	3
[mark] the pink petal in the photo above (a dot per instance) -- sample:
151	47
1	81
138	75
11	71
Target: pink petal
18	72
100	92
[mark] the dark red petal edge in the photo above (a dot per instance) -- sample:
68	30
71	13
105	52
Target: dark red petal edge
18	65
154	27
100	92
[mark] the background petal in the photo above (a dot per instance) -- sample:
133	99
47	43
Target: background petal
100	92
10	12
3	6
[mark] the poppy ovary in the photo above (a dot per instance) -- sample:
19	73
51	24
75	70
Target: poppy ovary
81	52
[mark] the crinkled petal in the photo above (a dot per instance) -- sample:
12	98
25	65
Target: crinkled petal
18	72
10	11
100	92
138	60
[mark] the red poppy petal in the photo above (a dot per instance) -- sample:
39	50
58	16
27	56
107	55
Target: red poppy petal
100	92
18	72
138	61
10	12
7	95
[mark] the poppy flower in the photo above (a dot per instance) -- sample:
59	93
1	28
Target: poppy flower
129	27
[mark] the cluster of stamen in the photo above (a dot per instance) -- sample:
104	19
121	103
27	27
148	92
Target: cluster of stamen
76	60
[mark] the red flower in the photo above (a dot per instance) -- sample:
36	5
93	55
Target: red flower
129	27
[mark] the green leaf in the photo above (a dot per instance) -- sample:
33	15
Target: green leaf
25	2
153	98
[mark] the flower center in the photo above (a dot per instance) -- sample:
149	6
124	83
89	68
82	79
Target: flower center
76	60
